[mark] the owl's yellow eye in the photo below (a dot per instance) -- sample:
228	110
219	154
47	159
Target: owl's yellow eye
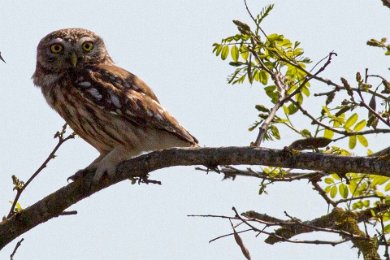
56	48
87	46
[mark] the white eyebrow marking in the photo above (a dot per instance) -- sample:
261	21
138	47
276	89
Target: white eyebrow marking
56	40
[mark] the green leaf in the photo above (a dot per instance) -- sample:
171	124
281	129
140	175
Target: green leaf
299	98
350	121
387	229
326	110
343	190
305	132
359	126
306	91
225	52
244	52
352	187
335	176
263	77
264	13
236	63
362	140
234	52
328	133
217	48
357	205
379	193
329	180
387	187
275	132
352	141
333	192
379	180
262	108
292	109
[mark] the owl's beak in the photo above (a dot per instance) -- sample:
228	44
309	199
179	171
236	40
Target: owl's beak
73	59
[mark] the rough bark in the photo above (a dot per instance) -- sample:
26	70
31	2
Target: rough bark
54	204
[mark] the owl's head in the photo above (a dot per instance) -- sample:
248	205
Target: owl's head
69	49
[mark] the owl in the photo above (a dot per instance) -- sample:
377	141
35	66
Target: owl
110	108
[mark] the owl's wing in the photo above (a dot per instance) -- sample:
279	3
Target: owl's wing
120	92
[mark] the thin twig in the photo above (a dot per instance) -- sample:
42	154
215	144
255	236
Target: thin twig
364	104
16	248
278	80
254	20
67	213
1	58
353	89
357	198
310	76
232	172
384	240
61	140
230	234
318	188
210	216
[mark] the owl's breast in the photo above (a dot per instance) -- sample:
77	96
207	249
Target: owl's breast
90	122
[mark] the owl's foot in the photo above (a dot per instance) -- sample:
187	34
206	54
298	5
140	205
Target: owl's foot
103	166
104	169
107	165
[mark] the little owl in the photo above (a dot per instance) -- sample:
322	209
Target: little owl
107	106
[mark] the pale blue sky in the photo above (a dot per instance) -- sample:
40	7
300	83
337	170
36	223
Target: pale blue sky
168	44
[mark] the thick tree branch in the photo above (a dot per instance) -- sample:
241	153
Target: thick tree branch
54	204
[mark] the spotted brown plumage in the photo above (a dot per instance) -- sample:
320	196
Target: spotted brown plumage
109	107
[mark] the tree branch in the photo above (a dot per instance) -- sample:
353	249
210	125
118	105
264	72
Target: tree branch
54	204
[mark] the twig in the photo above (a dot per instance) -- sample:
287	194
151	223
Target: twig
232	172
67	213
230	234
309	75
357	198
1	58
210	216
278	80
16	248
318	188
384	240
61	140
353	89
364	104
254	20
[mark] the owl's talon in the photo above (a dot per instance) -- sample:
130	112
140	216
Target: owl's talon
79	174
